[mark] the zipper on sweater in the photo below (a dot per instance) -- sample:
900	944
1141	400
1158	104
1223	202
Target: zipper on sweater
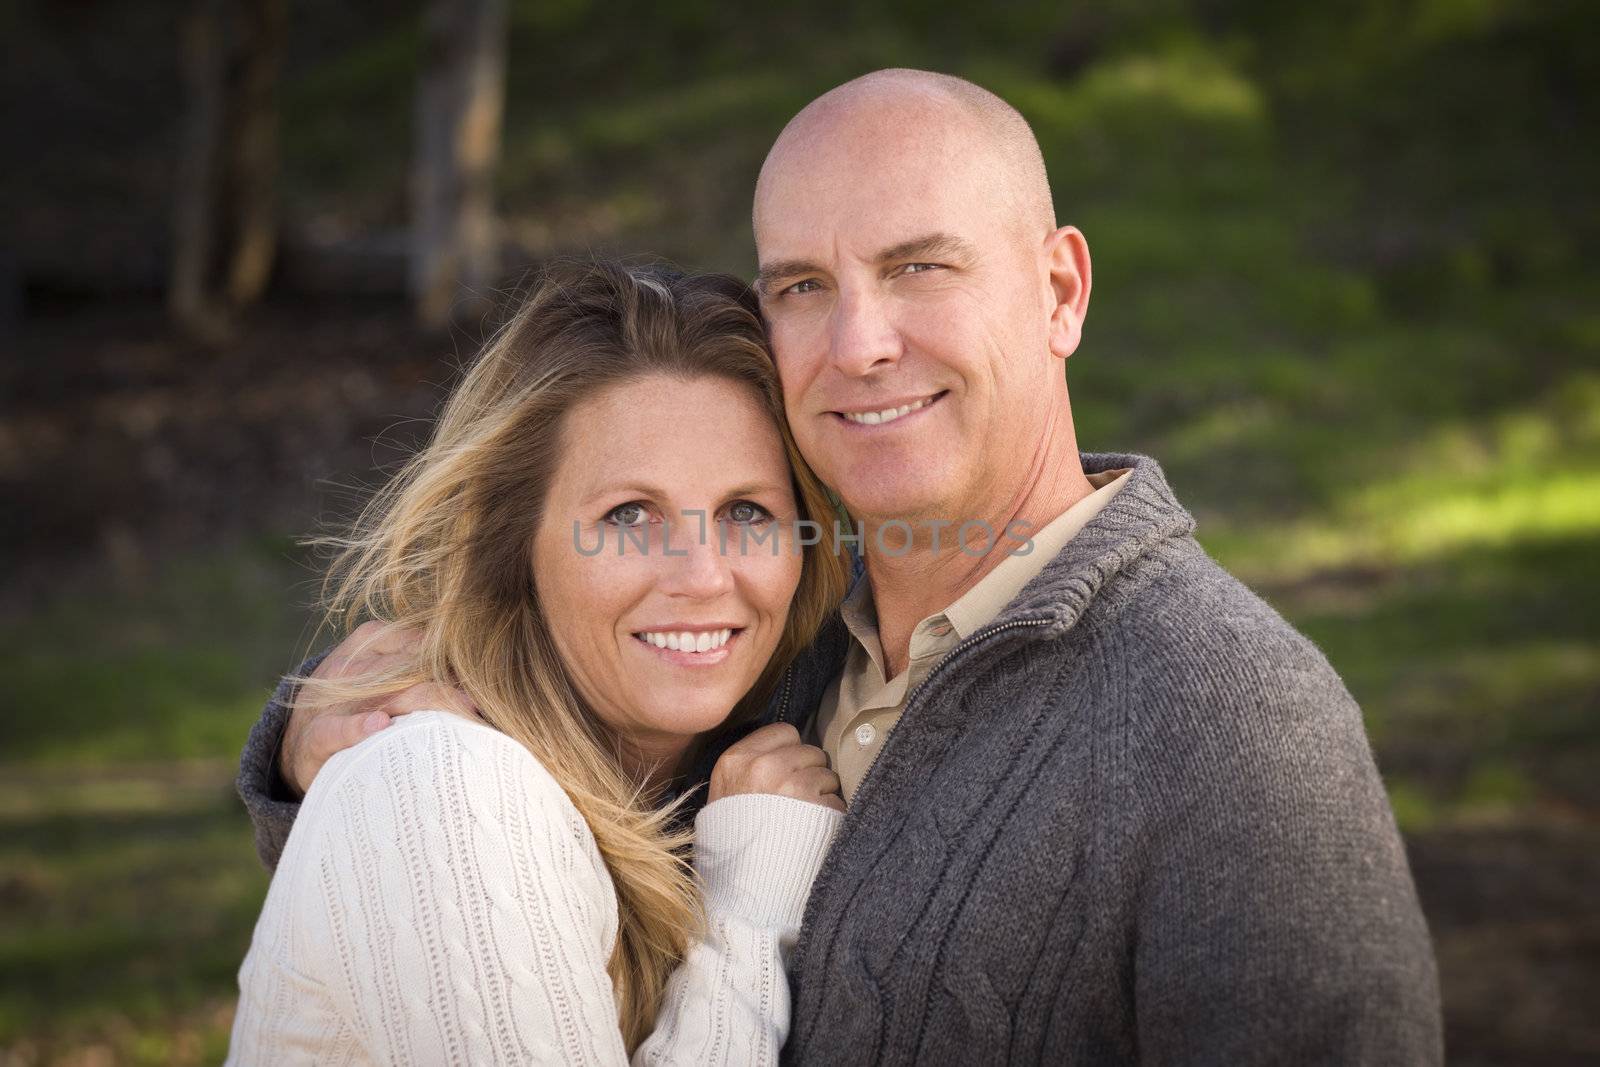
911	698
783	702
825	873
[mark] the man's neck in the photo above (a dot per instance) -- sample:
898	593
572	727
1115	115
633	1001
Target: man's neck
923	580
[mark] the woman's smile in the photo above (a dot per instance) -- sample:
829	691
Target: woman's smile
689	646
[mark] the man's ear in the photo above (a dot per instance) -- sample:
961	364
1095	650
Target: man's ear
1067	257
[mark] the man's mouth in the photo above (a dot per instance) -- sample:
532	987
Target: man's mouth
889	414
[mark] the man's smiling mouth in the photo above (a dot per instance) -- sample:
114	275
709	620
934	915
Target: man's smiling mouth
889	414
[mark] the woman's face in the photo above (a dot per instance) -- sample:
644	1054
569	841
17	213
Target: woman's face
655	559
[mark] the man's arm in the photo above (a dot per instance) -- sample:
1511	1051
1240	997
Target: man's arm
1277	920
290	742
272	804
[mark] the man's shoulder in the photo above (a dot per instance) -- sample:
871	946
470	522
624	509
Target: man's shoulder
1186	612
1207	666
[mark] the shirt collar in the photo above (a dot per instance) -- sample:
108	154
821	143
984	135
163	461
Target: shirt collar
981	604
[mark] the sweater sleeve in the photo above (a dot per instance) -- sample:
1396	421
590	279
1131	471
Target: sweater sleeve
443	901
271	806
1277	920
756	855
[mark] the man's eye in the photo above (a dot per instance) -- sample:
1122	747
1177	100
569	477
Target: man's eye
810	285
629	514
920	268
745	513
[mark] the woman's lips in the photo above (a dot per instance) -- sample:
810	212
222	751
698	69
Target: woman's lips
678	657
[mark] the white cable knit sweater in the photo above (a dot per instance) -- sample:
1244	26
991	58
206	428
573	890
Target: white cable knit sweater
441	901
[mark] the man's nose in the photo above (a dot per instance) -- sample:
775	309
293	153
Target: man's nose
864	337
695	564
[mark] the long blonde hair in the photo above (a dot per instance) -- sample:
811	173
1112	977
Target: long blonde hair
445	550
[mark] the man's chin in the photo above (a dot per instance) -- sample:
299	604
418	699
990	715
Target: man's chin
900	500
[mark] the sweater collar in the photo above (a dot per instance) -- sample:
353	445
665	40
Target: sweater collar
1143	514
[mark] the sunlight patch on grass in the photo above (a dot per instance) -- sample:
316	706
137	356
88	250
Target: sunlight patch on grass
1410	521
27	791
1530	475
1495	794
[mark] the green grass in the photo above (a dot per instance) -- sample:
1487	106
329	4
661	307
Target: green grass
174	669
130	897
127	875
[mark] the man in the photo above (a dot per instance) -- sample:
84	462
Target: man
1104	804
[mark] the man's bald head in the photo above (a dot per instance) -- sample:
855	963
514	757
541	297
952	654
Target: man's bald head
887	104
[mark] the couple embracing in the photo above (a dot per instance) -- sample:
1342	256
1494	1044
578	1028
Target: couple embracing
628	762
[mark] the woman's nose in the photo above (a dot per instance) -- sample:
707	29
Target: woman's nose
694	561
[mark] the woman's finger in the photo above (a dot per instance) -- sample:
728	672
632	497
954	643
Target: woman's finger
768	738
818	781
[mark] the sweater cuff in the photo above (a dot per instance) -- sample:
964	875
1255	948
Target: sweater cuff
272	808
758	853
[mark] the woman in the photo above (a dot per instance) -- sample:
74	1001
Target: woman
598	548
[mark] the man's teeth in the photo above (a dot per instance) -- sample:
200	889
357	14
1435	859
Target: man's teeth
685	641
873	418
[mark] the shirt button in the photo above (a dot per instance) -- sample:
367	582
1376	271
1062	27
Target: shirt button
866	733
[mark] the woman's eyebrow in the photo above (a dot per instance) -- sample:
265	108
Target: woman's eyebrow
652	492
756	489
631	488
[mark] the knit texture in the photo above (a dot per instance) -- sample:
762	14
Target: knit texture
440	901
1134	819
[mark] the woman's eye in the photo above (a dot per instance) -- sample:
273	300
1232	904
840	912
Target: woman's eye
745	513
630	514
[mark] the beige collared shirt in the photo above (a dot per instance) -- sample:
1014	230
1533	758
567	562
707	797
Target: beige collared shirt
861	706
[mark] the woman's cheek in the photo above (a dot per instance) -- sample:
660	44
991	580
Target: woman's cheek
772	576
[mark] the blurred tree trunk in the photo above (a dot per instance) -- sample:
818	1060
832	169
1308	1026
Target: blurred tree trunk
225	221
459	104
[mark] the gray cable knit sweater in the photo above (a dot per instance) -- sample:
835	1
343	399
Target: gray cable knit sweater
1134	819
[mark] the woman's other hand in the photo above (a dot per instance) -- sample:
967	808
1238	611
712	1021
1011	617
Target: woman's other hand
774	760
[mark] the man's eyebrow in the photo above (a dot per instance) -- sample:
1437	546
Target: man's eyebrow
928	246
783	268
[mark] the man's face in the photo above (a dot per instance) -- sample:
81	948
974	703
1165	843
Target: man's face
909	313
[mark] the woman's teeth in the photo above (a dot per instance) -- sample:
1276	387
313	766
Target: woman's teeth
873	418
685	641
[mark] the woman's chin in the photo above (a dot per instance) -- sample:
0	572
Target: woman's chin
690	715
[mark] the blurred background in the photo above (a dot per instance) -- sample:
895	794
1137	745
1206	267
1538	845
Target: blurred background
1346	292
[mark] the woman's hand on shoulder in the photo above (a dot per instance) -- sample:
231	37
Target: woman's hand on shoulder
774	760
